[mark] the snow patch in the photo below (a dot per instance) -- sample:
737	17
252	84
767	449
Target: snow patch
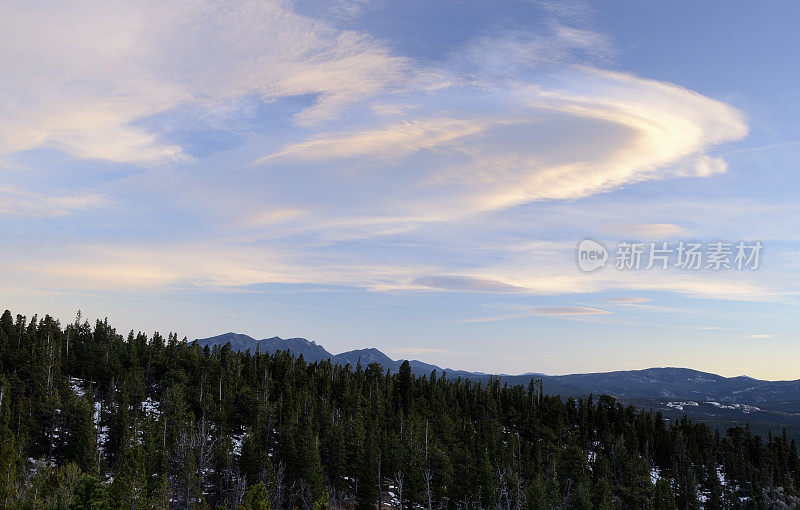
655	475
76	384
745	408
237	443
680	405
150	407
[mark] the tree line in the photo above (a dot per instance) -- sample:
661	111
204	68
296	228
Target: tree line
90	418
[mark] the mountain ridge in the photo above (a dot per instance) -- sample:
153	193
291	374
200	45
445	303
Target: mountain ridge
313	352
649	383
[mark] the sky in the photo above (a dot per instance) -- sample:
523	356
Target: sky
414	176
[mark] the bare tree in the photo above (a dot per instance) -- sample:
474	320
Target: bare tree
519	497
235	487
427	476
205	454
182	479
380	499
238	490
427	473
52	398
398	484
280	476
191	460
503	496
333	496
304	494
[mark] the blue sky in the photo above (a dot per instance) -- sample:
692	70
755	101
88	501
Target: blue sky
413	176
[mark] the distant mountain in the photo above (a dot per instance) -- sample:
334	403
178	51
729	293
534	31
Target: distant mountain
238	341
297	346
312	352
680	383
668	383
367	356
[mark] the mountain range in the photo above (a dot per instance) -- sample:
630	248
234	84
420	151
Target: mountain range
722	402
313	352
668	383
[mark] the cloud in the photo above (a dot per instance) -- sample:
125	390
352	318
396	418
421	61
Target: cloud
466	150
82	78
485	130
270	216
14	202
628	300
542	311
462	283
760	336
218	265
387	143
418	350
228	264
567	311
365	183
654	231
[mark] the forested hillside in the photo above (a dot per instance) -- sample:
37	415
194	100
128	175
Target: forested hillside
93	419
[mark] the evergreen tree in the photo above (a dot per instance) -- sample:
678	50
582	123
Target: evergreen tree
130	485
8	451
257	498
81	446
90	494
319	435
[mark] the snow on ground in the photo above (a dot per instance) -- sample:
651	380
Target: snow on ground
237	443
76	384
680	405
745	408
150	407
102	430
391	499
655	475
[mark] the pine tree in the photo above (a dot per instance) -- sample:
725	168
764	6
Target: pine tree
130	485
404	380
367	492
310	464
256	498
8	452
90	494
81	446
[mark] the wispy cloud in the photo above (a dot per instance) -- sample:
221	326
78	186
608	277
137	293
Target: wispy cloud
538	143
628	300
387	143
418	148
80	78
542	311
560	311
644	231
462	283
14	202
418	350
